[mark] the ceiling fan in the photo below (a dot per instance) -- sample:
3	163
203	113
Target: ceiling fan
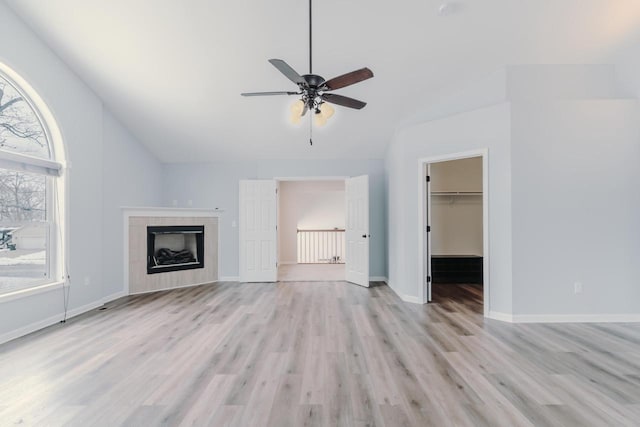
314	90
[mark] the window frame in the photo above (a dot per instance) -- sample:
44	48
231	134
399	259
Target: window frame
52	170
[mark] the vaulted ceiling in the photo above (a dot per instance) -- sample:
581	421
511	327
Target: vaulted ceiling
172	71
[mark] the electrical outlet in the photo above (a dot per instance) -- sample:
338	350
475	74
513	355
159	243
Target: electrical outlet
174	203
87	280
189	202
234	224
577	288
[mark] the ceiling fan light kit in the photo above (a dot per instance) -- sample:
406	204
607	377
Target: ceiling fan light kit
314	91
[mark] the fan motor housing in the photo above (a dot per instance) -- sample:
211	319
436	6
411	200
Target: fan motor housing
314	80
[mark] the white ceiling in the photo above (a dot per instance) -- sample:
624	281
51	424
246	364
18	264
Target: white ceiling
172	71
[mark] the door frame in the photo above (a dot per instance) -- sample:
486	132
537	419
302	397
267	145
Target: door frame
422	220
280	179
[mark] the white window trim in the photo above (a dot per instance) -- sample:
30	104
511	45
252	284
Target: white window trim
55	205
33	290
23	162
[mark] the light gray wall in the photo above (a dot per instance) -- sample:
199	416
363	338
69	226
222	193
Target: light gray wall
215	185
563	203
79	114
484	128
576	207
132	177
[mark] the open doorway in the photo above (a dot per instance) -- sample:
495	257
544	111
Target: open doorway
454	230
311	230
260	213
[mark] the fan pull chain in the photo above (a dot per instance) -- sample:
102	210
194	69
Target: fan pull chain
310	129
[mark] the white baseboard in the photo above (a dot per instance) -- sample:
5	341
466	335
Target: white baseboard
229	279
576	318
41	324
83	309
503	317
25	330
406	298
114	297
564	318
378	279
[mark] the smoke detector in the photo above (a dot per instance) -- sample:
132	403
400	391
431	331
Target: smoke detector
446	9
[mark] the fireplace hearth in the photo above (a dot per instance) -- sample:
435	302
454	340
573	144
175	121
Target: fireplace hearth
173	248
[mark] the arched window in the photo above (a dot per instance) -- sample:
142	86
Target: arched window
31	210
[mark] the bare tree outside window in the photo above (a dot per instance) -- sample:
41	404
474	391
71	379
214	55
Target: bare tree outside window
23	206
20	130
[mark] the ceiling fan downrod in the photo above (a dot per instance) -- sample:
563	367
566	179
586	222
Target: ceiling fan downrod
310	37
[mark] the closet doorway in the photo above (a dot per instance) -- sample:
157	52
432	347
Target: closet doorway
454	230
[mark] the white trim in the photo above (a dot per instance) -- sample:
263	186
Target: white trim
84	308
503	317
564	318
49	321
229	279
177	212
406	298
171	288
23	293
378	279
311	178
576	318
484	154
24	162
113	297
25	330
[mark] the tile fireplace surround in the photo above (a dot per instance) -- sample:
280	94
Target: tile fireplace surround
136	221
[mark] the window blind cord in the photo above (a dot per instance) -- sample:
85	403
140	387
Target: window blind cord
66	283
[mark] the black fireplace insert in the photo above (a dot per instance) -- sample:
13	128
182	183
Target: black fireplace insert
174	247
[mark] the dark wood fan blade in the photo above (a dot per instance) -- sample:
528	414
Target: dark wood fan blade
267	93
289	72
344	101
348	79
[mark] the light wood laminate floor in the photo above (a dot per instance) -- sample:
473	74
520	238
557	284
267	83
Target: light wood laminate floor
311	272
321	354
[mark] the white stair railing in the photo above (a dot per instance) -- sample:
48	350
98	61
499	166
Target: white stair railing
321	246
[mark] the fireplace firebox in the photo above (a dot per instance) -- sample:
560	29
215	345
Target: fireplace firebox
173	248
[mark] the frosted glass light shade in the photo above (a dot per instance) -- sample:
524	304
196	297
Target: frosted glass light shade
320	119
327	110
296	111
295	118
297	107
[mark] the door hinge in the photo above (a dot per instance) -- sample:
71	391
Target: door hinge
428	228
428	279
428	178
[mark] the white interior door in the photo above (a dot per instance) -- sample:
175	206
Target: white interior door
357	230
258	231
427	238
